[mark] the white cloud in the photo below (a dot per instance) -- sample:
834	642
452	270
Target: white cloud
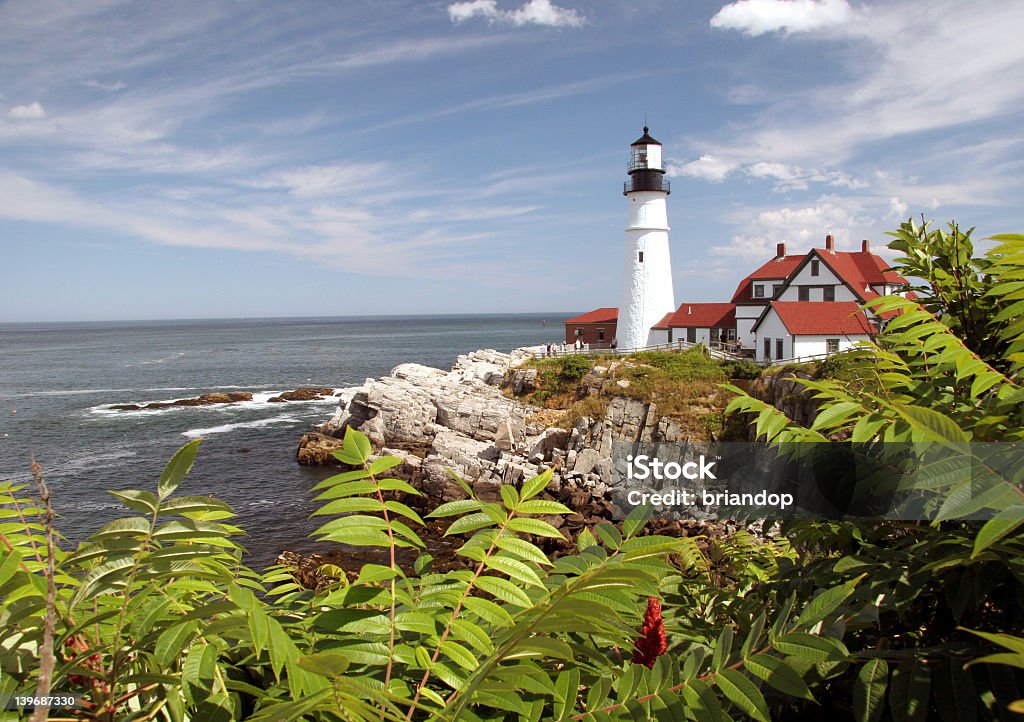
109	87
898	208
792	177
32	111
757	17
321	180
533	12
707	167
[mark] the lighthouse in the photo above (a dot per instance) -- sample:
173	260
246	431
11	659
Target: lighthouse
647	293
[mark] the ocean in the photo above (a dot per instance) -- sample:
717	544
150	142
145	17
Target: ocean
59	380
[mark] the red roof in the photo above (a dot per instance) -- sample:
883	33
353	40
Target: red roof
599	315
663	323
701	315
776	268
818	318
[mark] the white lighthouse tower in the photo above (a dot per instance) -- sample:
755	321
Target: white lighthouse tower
647	293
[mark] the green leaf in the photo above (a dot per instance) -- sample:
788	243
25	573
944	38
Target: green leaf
723	648
741	692
869	690
505	590
567	686
827	602
522	549
779	675
542	506
509	496
197	672
536	527
356	449
383	463
909	689
810	647
176	469
931	425
702	701
144	501
536	485
172	642
488	611
459	506
515	569
998	527
470	522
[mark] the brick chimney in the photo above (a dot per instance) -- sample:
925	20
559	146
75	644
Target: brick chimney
780	251
830	244
865	246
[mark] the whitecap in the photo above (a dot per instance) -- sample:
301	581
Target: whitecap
225	428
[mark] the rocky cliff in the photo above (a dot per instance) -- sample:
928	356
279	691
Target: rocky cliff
460	419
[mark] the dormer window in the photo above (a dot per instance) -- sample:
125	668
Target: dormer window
758	290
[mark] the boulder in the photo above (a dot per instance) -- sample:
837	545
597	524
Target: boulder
304	393
315	449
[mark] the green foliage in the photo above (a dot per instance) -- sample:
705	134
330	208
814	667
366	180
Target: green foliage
922	382
957	287
158	619
742	370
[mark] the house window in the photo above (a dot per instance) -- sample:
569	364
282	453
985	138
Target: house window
815	267
691	335
758	290
600	334
640	256
805	293
768	349
779	348
775	290
829	292
832	345
579	333
731	334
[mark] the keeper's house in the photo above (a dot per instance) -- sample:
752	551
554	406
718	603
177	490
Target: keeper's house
597	328
791	308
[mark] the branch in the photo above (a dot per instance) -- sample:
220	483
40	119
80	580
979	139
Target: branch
46	657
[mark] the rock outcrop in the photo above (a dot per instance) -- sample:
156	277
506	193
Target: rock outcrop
303	393
204	400
460	420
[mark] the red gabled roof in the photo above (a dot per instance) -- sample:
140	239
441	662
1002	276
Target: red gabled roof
776	268
817	318
599	315
861	270
663	323
701	315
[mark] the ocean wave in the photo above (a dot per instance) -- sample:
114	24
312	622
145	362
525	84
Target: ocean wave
225	428
87	392
260	401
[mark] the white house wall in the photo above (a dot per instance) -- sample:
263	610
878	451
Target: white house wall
818	294
817	346
745	318
773	328
658	336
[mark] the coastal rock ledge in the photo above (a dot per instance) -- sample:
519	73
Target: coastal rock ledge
460	419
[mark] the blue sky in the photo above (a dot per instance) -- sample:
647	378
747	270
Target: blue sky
226	159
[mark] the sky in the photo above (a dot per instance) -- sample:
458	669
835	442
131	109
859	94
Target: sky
224	159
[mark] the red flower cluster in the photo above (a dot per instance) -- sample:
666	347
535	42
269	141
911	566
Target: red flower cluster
73	647
652	643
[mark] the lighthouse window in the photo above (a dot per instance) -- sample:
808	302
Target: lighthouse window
640	256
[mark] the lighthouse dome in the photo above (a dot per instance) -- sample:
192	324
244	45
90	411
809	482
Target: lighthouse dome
645	139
